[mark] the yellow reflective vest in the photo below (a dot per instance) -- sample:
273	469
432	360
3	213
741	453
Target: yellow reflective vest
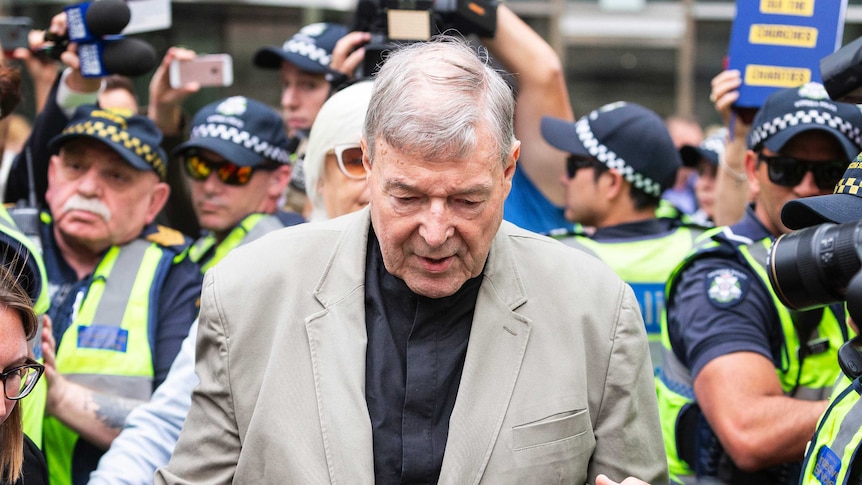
810	378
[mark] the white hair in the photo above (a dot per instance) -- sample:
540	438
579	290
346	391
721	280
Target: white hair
338	121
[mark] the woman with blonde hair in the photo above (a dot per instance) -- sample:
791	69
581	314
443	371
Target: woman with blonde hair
19	457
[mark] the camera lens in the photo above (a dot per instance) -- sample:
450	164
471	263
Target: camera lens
811	268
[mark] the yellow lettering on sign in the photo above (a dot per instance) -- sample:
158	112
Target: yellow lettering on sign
785	35
802	8
776	76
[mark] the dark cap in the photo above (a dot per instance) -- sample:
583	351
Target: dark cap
136	138
710	149
243	131
788	112
310	49
624	136
843	205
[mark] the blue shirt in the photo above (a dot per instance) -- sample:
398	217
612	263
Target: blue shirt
527	207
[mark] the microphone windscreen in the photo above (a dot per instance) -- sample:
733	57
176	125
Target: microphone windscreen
128	57
107	17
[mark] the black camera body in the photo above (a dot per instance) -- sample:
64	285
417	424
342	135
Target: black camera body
396	21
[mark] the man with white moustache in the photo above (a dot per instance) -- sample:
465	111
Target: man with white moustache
123	293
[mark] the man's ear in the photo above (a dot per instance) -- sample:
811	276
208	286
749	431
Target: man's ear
158	199
751	170
279	180
613	184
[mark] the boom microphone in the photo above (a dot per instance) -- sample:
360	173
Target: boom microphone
122	55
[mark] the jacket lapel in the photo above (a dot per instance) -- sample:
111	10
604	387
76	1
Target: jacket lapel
498	340
337	340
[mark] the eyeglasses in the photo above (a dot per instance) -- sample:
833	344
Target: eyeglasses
199	168
20	380
788	171
576	162
349	158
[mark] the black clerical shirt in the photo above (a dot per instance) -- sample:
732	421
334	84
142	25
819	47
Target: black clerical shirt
415	355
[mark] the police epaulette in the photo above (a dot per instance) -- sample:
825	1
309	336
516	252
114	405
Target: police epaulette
167	237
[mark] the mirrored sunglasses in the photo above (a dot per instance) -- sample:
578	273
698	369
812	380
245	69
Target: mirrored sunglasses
199	168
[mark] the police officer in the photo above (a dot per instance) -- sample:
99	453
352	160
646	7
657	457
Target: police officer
621	160
831	454
123	293
744	379
238	164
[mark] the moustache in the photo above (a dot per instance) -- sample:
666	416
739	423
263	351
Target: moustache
95	206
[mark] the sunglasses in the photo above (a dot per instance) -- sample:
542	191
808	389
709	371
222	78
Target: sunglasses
788	171
199	168
575	163
349	158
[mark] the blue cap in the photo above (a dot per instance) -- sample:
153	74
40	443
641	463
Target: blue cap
841	206
136	138
788	112
243	131
310	49
624	136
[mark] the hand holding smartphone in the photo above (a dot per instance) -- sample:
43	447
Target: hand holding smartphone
14	32
206	70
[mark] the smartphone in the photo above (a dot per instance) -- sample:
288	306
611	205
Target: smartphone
14	32
208	70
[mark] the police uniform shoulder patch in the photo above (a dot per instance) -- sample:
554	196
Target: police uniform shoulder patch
165	236
725	287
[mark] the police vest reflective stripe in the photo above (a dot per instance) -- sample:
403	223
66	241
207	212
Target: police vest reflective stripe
107	346
836	442
826	338
645	265
811	381
207	254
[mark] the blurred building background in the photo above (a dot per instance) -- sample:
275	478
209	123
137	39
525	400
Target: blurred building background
661	54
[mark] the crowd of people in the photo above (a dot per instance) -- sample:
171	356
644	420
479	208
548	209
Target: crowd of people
420	276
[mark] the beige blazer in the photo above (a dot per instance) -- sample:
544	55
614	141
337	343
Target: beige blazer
557	383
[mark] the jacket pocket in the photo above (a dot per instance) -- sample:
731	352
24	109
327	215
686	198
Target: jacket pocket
562	426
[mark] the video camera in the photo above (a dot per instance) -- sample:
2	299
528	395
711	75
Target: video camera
393	21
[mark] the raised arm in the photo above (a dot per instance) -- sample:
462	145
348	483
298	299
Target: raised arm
542	92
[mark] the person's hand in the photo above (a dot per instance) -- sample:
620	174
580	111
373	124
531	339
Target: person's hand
349	52
604	480
725	92
56	382
165	105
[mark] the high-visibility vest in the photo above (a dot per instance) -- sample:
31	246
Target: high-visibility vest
812	381
207	253
645	264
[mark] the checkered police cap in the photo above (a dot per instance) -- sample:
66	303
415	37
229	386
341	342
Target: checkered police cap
310	49
624	136
788	112
242	130
136	138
